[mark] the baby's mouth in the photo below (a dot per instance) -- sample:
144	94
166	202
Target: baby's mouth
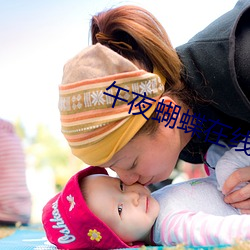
147	203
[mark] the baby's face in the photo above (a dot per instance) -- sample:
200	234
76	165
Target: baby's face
130	211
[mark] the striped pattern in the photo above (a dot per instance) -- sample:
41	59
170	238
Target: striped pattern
15	201
201	229
87	115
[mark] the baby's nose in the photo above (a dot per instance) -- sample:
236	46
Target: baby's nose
133	198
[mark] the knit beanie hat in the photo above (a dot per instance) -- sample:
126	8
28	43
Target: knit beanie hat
104	101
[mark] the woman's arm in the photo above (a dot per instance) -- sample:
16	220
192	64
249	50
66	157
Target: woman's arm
240	198
231	161
233	175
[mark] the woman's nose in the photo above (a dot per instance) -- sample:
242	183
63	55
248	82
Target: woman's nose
126	177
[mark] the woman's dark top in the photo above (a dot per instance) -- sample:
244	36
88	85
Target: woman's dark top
217	66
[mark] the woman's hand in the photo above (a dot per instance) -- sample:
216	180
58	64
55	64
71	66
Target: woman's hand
241	197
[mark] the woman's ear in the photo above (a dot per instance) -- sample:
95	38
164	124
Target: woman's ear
166	104
167	100
166	111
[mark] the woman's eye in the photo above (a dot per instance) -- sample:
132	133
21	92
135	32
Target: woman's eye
120	206
121	186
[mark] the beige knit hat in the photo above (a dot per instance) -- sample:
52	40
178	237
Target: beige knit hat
104	100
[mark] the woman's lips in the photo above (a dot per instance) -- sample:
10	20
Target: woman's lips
148	183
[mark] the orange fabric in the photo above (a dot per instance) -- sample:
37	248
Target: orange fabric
94	126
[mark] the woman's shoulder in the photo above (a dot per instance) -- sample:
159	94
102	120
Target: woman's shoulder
209	65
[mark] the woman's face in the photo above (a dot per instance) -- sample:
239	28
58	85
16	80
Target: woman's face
147	159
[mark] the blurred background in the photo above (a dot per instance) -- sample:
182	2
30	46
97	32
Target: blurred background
36	40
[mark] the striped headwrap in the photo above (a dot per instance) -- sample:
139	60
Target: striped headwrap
100	94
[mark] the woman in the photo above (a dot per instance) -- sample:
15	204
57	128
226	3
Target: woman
204	98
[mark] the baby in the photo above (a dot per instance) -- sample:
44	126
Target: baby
96	211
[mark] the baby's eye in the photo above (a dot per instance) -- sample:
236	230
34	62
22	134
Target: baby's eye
121	186
120	206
